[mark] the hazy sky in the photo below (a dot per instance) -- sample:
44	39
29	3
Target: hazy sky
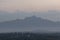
29	5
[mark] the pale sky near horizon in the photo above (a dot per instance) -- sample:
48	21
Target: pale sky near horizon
29	5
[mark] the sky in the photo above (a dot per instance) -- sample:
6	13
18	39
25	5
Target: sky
30	6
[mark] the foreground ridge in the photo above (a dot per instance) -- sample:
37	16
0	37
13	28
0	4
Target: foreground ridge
29	36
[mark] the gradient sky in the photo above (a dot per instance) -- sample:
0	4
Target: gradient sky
29	5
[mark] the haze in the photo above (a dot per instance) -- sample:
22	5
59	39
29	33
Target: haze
30	6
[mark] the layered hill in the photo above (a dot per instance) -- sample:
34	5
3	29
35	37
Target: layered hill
30	22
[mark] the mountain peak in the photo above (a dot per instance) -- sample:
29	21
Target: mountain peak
31	22
32	17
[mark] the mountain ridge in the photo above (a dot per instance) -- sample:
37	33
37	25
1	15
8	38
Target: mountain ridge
30	22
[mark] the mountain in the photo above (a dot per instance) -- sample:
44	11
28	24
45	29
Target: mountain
7	16
30	22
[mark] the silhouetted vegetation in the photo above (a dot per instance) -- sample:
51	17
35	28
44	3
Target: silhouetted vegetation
29	36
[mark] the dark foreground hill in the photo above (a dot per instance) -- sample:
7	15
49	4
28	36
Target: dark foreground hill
30	22
29	36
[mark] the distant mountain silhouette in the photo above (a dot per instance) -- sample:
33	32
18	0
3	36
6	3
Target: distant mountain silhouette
30	22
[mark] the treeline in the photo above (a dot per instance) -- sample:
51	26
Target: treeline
29	36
